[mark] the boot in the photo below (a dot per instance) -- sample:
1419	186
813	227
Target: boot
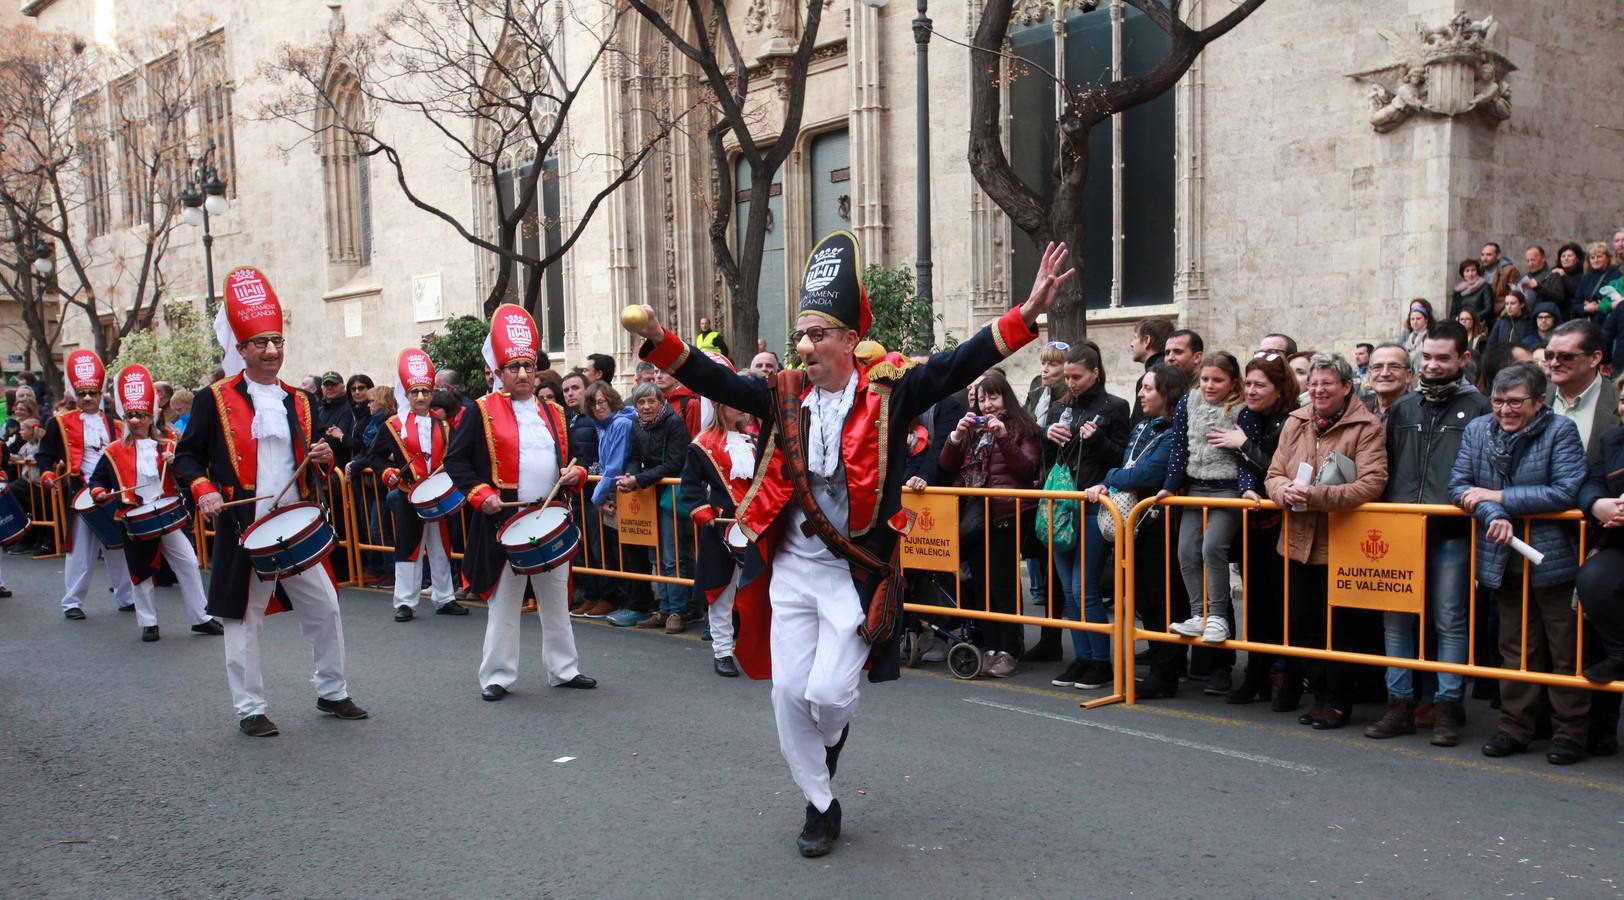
1448	719
1400	719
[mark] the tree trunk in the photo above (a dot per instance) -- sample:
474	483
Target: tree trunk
744	312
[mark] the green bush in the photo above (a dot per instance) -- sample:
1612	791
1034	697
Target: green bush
900	314
458	347
184	356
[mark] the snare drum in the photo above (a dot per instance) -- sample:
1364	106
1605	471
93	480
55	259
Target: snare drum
103	517
287	541
156	519
539	538
435	497
14	523
737	542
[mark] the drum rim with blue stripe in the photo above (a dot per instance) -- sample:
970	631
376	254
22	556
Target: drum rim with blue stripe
300	542
536	554
442	505
134	517
7	499
106	509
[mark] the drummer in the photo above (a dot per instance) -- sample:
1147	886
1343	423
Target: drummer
248	435
74	441
408	448
721	463
138	466
511	453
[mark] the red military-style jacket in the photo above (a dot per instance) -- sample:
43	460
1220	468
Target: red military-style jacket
396	451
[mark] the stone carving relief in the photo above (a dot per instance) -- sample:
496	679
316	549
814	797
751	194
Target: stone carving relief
1445	71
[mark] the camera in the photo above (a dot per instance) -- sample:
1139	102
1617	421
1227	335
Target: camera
979	422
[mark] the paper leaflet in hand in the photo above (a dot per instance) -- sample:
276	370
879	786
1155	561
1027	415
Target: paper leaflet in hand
1305	476
1533	556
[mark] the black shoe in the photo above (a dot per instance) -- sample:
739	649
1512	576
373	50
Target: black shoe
74	613
1503	744
5	592
831	755
1564	752
1042	652
1609	669
344	709
821	830
1073	672
149	633
403	614
1219	683
580	682
727	668
451	608
130	608
492	692
257	726
210	627
1151	689
1097	675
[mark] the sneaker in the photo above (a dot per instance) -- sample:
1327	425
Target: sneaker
1073	672
1097	675
1191	627
1002	665
674	624
935	649
656	620
599	609
1216	632
1219	682
1400	719
625	618
820	832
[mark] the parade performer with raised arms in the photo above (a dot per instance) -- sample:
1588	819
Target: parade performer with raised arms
409	448
74	442
249	436
138	469
512	453
824	512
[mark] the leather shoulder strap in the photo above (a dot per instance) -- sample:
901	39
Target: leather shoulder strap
786	395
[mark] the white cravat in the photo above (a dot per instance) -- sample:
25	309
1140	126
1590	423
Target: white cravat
425	439
828	420
538	456
146	470
95	441
742	452
274	461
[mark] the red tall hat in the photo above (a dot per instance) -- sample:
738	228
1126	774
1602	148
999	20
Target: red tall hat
251	305
413	369
513	335
134	392
85	370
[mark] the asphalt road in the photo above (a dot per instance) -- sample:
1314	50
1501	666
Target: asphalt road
124	775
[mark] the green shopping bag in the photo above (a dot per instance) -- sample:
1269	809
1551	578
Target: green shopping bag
1057	519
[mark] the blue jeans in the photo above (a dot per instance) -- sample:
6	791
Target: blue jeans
1082	587
673	598
1448	564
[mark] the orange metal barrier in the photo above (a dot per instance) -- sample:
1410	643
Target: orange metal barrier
580	500
45	507
1127	610
334	493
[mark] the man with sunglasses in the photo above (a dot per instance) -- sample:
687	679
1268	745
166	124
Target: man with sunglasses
512	453
1577	389
824	515
74	442
250	434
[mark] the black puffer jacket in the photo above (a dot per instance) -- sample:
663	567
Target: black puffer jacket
658	448
1092	457
584	440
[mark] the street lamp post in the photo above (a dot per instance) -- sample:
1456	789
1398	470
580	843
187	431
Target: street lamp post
922	265
203	196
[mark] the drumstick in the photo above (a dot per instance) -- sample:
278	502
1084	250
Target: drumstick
296	473
509	504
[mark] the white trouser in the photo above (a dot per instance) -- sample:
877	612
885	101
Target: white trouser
409	575
76	569
500	662
315	603
817	659
721	618
183	559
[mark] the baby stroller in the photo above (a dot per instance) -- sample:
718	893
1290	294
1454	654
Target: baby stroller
932	638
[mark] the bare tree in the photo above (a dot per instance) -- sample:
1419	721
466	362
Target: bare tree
57	116
1061	218
491	79
728	81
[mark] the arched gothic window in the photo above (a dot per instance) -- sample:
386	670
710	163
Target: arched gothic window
345	177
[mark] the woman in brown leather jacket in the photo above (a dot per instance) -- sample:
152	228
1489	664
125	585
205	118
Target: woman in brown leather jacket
994	447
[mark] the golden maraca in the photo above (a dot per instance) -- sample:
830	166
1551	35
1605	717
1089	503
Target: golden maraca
634	318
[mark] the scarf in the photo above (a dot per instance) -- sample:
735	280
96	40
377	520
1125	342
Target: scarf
1505	445
1323	424
1438	390
1469	285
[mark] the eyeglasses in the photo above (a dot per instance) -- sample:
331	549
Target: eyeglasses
357	387
1564	358
519	366
260	343
1509	402
137	415
1269	355
420	391
1389	367
817	333
88	394
1057	345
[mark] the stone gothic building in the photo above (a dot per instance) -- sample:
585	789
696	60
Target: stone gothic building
1316	168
